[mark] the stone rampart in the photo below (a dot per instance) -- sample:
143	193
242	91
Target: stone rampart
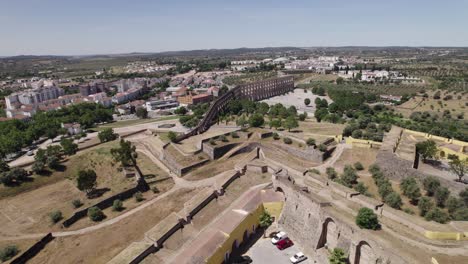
315	225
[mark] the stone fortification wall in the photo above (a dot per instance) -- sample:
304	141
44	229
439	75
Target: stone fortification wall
396	168
313	223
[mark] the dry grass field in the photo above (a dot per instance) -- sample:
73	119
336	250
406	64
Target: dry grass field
102	245
28	210
456	105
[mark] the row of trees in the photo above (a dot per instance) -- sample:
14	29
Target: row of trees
15	134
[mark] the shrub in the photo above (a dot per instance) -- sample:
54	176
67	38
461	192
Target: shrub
361	188
441	196
461	214
117	205
322	147
155	189
8	252
315	171
425	205
411	189
338	256
95	214
385	188
453	204
139	197
172	136
374	168
107	135
287	140
367	219
358	166
431	185
437	215
256	120
77	203
223	138
310	142
302	117
55	216
212	142
307	100
408	211
349	176
234	135
276	136
331	173
393	199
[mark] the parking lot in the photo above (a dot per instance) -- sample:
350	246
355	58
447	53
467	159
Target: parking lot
263	251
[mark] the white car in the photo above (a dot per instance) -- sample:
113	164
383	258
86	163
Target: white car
298	257
278	237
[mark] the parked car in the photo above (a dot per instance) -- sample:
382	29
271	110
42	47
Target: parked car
30	153
278	237
285	243
298	257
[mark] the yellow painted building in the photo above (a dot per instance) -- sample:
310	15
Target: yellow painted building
215	244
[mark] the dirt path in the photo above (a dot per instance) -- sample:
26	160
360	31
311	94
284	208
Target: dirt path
335	156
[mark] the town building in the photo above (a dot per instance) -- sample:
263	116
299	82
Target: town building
194	99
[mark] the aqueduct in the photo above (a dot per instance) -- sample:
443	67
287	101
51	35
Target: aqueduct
252	91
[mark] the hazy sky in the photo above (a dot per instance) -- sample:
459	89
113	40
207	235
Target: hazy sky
69	27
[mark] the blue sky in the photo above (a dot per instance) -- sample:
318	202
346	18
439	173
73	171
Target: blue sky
75	27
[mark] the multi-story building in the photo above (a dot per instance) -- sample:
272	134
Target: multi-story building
33	96
195	99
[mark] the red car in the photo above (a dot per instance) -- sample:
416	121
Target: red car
285	243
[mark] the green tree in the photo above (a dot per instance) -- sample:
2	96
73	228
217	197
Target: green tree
276	123
107	135
459	167
441	195
141	113
437	215
38	167
8	252
310	142
290	123
338	256
55	216
181	111
331	173
358	166
307	101
13	177
172	136
453	203
361	188
393	199
95	214
256	120
349	176
431	185
410	189
242	121
265	220
366	218
425	205
4	166
69	148
86	180
461	214
117	205
427	149
464	196
125	153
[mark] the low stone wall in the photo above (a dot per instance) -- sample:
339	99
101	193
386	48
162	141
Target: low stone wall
215	152
310	153
177	168
33	250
